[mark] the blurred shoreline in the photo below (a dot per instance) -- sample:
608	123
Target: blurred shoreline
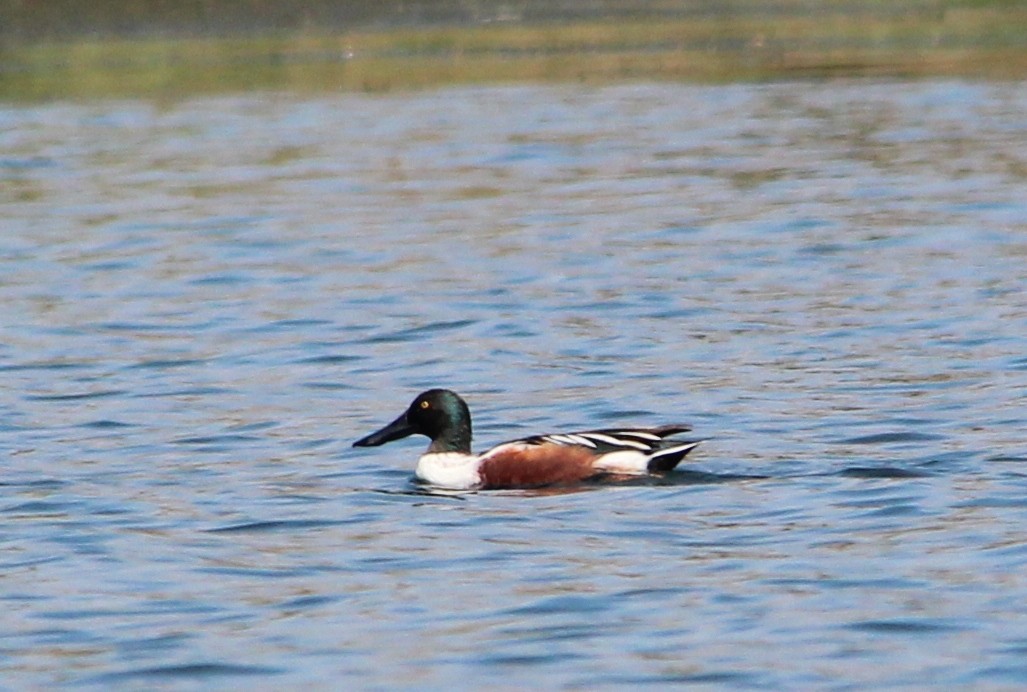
68	49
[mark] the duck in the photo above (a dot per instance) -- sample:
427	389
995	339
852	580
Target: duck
530	462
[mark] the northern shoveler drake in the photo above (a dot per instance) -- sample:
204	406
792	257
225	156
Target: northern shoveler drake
530	462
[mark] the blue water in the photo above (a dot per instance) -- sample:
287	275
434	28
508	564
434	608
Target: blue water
206	301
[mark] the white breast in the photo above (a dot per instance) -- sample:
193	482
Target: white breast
449	470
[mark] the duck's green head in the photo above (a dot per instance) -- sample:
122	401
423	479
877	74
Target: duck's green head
439	414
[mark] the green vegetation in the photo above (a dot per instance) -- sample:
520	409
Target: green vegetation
689	41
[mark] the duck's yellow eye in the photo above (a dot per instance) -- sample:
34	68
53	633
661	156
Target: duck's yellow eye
425	404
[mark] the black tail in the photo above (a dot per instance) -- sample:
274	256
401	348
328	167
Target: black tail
669	457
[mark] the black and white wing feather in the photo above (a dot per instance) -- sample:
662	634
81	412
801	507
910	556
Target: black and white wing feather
629	450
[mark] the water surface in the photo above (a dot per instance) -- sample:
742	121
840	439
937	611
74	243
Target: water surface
207	300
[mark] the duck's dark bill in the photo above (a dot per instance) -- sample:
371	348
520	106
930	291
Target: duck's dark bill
395	430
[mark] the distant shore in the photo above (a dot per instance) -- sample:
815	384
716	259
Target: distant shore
410	45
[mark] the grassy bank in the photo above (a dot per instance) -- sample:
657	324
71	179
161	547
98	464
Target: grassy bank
973	40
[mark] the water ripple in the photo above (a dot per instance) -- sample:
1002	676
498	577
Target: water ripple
890	437
189	671
206	300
